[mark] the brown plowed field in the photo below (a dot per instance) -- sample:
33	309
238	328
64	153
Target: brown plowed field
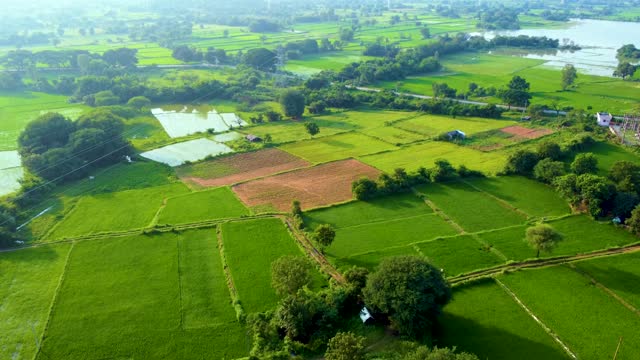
241	167
526	133
316	186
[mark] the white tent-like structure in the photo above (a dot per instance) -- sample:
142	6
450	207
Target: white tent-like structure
365	315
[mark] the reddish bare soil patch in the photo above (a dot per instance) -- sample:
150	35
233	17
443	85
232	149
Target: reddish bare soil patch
241	167
316	186
526	133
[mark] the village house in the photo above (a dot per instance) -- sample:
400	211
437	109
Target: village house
253	138
604	119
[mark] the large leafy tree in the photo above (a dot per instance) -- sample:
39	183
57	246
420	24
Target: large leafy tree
569	76
345	346
625	70
324	234
585	163
634	221
289	274
521	162
260	59
626	175
48	131
542	237
292	102
409	291
517	92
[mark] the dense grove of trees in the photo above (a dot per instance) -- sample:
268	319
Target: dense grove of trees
56	148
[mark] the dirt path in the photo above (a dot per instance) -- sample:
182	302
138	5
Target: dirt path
541	263
311	250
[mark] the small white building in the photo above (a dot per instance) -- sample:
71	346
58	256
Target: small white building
604	119
365	315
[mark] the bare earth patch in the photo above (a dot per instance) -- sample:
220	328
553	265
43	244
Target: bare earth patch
316	186
526	133
241	167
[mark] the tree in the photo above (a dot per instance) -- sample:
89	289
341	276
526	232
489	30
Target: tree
517	92
424	31
536	111
542	237
569	76
442	171
424	353
364	188
260	59
357	276
634	221
521	162
549	149
346	34
324	235
292	103
48	131
626	176
624	70
409	291
124	57
139	102
547	170
585	163
345	346
289	274
624	203
312	128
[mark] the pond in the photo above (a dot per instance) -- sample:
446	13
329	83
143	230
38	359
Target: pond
191	120
599	39
10	172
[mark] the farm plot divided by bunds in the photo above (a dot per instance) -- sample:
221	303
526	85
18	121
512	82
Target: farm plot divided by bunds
187	121
236	168
192	150
316	186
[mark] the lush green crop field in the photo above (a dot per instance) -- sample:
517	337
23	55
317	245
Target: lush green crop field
145	133
470	208
359	239
289	131
364	212
511	243
336	147
582	234
527	195
219	203
585	317
371	259
434	125
619	274
115	211
484	320
250	247
136	299
423	155
19	108
608	154
459	254
393	135
28	282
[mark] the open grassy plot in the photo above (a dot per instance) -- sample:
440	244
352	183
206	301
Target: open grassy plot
146	132
434	125
121	298
371	259
316	186
359	239
337	147
620	274
27	287
582	234
205	295
218	203
470	208
364	212
527	195
585	317
19	108
511	243
459	254
115	211
423	155
608	154
239	167
250	247
484	320
393	135
291	131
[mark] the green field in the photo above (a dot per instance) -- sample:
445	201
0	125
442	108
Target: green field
527	195
585	317
608	154
423	155
459	254
28	283
220	203
250	247
336	147
484	320
434	125
471	209
139	297
19	108
619	274
131	209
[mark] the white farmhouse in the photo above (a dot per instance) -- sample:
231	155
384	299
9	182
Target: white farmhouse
604	119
